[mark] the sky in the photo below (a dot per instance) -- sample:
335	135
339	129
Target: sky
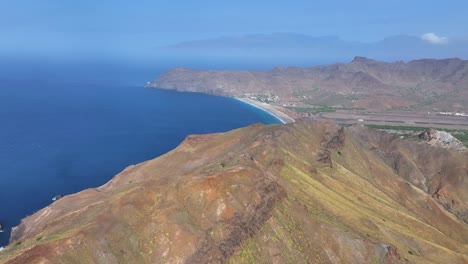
112	28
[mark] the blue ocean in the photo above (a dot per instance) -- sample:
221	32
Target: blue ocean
65	128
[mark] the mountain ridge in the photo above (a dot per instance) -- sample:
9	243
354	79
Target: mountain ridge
426	84
300	192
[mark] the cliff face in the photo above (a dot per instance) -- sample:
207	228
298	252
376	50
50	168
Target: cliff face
299	193
420	85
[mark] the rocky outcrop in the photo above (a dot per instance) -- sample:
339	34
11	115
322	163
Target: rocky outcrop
240	228
332	140
265	194
425	167
441	139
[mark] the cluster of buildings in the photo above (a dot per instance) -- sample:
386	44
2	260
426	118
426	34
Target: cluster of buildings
453	114
266	98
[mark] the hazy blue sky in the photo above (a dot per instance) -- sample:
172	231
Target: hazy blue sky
116	27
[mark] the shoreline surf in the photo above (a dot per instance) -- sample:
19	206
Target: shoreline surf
282	117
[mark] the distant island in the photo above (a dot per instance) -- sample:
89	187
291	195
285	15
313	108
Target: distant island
302	49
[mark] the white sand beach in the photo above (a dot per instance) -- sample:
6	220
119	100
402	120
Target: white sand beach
284	118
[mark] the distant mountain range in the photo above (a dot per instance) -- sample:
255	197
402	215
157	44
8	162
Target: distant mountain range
324	49
421	85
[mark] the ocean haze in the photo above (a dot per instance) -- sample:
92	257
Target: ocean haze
118	29
263	50
299	48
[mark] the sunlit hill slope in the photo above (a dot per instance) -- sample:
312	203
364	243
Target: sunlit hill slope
296	193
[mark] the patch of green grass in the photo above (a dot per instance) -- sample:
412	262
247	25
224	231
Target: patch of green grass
313	110
350	108
462	136
459	134
401	128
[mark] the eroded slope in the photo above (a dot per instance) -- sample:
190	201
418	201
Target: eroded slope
297	193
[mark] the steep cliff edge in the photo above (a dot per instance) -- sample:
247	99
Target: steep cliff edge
296	193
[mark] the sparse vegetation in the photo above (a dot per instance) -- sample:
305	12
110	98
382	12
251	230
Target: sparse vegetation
316	208
459	134
313	110
402	128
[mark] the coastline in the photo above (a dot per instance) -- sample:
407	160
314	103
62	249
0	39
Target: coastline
282	117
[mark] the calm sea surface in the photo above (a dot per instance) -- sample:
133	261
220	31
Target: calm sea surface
67	128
